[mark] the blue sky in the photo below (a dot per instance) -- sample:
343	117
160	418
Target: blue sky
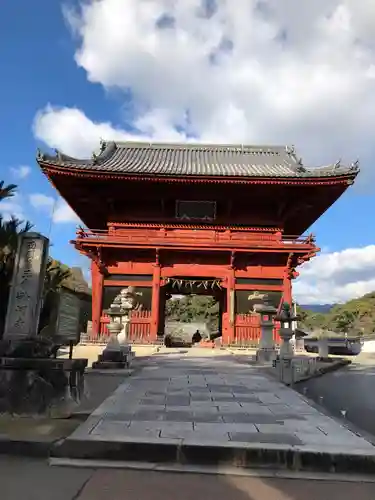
38	65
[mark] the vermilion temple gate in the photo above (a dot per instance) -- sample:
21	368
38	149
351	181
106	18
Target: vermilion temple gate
231	213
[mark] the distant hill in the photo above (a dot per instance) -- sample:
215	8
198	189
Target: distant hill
317	308
355	316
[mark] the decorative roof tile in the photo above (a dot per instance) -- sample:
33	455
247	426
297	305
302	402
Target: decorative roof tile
206	160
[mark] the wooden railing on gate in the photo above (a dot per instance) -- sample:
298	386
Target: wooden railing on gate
247	331
140	327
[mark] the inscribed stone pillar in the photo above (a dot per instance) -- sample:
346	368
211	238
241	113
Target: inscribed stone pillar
27	287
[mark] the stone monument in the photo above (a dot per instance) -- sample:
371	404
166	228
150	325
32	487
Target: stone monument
26	290
32	381
118	352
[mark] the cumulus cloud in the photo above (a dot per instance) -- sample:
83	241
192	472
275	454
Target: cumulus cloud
58	209
21	172
263	72
337	276
260	73
64	214
12	207
41	201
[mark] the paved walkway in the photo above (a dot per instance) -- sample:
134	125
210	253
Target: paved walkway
194	401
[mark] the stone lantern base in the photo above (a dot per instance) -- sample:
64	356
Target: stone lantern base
116	355
114	360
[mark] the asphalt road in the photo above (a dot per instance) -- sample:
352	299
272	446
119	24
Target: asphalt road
349	392
31	479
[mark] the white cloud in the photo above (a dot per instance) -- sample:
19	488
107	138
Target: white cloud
12	207
69	130
58	209
64	214
21	172
42	201
337	276
264	72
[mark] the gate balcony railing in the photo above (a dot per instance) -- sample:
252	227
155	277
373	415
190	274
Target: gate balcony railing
166	236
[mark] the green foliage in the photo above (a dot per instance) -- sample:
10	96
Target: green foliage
355	317
7	191
192	308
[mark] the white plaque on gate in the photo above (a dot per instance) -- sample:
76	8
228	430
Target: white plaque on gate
27	287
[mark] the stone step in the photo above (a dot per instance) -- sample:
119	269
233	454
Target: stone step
241	455
109	365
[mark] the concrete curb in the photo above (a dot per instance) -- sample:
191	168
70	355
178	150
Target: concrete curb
28	448
240	455
331	367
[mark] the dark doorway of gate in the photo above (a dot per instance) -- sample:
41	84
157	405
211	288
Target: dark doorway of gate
193	310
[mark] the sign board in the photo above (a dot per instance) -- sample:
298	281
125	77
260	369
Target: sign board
27	287
68	321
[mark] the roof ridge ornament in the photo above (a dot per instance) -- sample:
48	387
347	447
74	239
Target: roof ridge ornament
103	145
290	150
337	164
355	165
39	154
58	154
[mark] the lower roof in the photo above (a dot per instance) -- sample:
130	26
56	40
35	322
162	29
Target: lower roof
203	160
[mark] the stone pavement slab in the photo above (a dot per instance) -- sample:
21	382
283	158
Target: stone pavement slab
245	419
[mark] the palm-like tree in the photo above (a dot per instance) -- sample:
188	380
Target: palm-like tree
7	191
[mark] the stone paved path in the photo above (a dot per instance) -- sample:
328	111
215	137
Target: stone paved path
211	401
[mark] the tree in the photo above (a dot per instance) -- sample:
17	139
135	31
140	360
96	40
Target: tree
192	308
7	191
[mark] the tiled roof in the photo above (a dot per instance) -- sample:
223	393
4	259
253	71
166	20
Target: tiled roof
197	160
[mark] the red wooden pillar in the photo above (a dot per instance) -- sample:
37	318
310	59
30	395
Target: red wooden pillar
287	294
155	303
97	297
229	332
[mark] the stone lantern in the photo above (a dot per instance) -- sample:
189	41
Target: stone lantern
266	351
286	319
118	353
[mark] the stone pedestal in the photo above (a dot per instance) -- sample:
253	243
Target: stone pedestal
284	364
323	348
266	352
116	355
41	387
